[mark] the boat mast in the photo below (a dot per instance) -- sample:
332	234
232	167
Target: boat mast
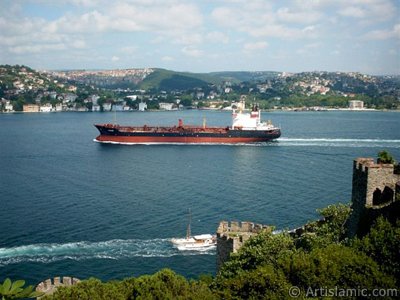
188	233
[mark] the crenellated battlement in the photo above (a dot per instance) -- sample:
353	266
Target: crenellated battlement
232	235
373	183
363	165
239	227
374	186
49	286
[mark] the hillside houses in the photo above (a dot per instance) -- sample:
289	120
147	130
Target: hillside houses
79	91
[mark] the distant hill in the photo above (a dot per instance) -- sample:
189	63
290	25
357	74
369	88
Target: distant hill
170	80
241	76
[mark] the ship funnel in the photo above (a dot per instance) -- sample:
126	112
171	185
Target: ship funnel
180	123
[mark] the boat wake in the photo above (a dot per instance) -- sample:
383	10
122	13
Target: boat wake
298	142
338	142
113	249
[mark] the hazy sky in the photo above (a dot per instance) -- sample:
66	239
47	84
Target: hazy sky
203	36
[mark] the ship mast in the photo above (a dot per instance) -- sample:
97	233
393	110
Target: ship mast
188	233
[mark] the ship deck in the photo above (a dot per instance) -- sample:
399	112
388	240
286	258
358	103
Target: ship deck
174	129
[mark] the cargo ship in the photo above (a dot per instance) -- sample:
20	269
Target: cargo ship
246	128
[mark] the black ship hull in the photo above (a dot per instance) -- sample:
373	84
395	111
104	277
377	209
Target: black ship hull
130	135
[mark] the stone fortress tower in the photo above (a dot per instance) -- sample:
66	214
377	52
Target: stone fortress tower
231	236
376	191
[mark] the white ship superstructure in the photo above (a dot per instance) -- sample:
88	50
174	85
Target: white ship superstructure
250	121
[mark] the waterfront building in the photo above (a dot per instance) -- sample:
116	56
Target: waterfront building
46	108
96	107
30	108
107	106
167	106
8	107
356	104
58	107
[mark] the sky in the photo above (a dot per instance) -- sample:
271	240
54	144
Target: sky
203	35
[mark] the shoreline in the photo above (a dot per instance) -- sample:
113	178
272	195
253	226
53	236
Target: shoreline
302	109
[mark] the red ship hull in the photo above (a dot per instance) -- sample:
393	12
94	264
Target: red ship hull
115	134
176	140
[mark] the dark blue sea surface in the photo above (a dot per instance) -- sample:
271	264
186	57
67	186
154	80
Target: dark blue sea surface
73	207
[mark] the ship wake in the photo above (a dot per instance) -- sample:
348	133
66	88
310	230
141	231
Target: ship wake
84	250
338	142
286	141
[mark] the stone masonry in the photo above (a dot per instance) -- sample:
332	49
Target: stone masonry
231	236
49	286
375	187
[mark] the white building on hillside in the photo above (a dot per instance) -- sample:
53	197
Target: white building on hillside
8	107
167	106
46	108
107	106
356	104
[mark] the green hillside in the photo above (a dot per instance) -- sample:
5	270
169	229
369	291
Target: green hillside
241	76
168	80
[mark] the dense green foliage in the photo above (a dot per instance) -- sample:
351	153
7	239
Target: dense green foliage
385	157
180	82
167	80
165	284
382	244
326	231
15	290
268	265
243	76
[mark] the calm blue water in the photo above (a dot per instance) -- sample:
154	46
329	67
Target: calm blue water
72	207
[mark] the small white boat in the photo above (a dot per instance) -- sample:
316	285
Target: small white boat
200	242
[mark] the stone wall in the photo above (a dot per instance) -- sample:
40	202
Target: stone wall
374	187
49	286
232	235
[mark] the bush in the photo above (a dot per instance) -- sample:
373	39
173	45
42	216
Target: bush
164	284
382	244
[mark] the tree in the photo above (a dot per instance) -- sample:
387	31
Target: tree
14	290
334	266
382	244
330	230
164	284
19	103
201	104
264	282
385	157
153	104
186	102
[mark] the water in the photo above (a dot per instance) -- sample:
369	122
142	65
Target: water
72	207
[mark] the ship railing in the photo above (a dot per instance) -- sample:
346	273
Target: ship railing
191	129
